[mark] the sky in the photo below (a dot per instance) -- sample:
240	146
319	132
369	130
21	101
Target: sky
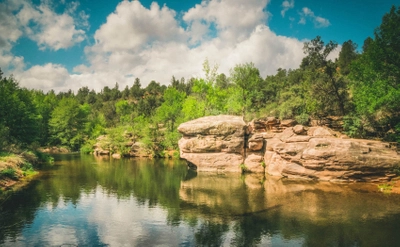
61	44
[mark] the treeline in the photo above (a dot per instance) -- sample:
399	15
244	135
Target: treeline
362	85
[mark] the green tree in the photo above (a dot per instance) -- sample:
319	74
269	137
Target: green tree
347	54
18	114
170	109
67	123
124	111
375	78
247	78
136	90
327	88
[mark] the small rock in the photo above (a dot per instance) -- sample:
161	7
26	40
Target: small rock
299	129
116	156
288	123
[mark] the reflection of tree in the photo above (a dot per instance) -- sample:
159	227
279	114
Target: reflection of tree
211	234
150	181
221	209
249	230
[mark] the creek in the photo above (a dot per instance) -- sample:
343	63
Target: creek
87	201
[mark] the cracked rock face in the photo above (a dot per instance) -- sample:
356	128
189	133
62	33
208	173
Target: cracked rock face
223	144
214	143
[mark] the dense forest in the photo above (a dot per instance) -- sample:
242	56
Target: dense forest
362	85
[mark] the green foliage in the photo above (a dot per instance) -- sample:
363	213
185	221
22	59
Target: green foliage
118	138
192	108
44	158
18	114
303	119
67	123
170	110
87	148
363	87
347	55
247	78
353	126
375	77
9	173
171	140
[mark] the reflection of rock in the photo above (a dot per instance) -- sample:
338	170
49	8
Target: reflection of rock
310	201
219	143
214	143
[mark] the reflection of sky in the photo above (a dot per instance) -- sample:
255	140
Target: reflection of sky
101	219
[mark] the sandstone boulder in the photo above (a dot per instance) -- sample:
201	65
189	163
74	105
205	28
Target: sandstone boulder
214	143
223	144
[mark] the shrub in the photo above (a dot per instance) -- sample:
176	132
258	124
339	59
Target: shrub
9	172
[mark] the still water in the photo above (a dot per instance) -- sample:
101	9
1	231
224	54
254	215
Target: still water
83	201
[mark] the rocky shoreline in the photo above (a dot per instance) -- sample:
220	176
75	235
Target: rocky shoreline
228	144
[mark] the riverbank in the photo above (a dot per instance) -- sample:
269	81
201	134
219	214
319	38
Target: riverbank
17	169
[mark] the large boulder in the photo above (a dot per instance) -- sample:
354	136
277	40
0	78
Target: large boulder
225	143
213	143
320	155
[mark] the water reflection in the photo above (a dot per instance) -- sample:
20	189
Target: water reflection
84	201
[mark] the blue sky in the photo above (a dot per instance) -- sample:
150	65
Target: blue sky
66	44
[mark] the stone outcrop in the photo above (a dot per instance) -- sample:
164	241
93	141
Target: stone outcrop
104	147
282	148
214	143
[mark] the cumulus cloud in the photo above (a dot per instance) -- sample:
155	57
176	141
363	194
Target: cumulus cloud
53	76
319	22
51	30
286	5
132	26
9	26
151	44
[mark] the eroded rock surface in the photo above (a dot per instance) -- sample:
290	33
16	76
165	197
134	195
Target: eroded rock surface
214	143
281	148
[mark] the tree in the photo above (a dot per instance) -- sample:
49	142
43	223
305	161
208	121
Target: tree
247	78
67	123
347	54
170	109
327	88
124	111
136	89
376	77
18	115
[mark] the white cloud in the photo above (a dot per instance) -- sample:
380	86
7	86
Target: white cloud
214	31
234	20
49	76
319	22
9	27
48	29
132	26
286	5
149	43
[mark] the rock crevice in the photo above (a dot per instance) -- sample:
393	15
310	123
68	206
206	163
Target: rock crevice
227	144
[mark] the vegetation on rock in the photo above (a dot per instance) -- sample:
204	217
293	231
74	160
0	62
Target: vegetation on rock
361	86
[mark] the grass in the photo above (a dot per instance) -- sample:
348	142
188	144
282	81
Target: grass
386	188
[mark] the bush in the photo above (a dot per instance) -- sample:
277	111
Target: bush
353	126
303	119
44	158
87	148
9	172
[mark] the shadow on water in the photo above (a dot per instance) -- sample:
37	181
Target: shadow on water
152	202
